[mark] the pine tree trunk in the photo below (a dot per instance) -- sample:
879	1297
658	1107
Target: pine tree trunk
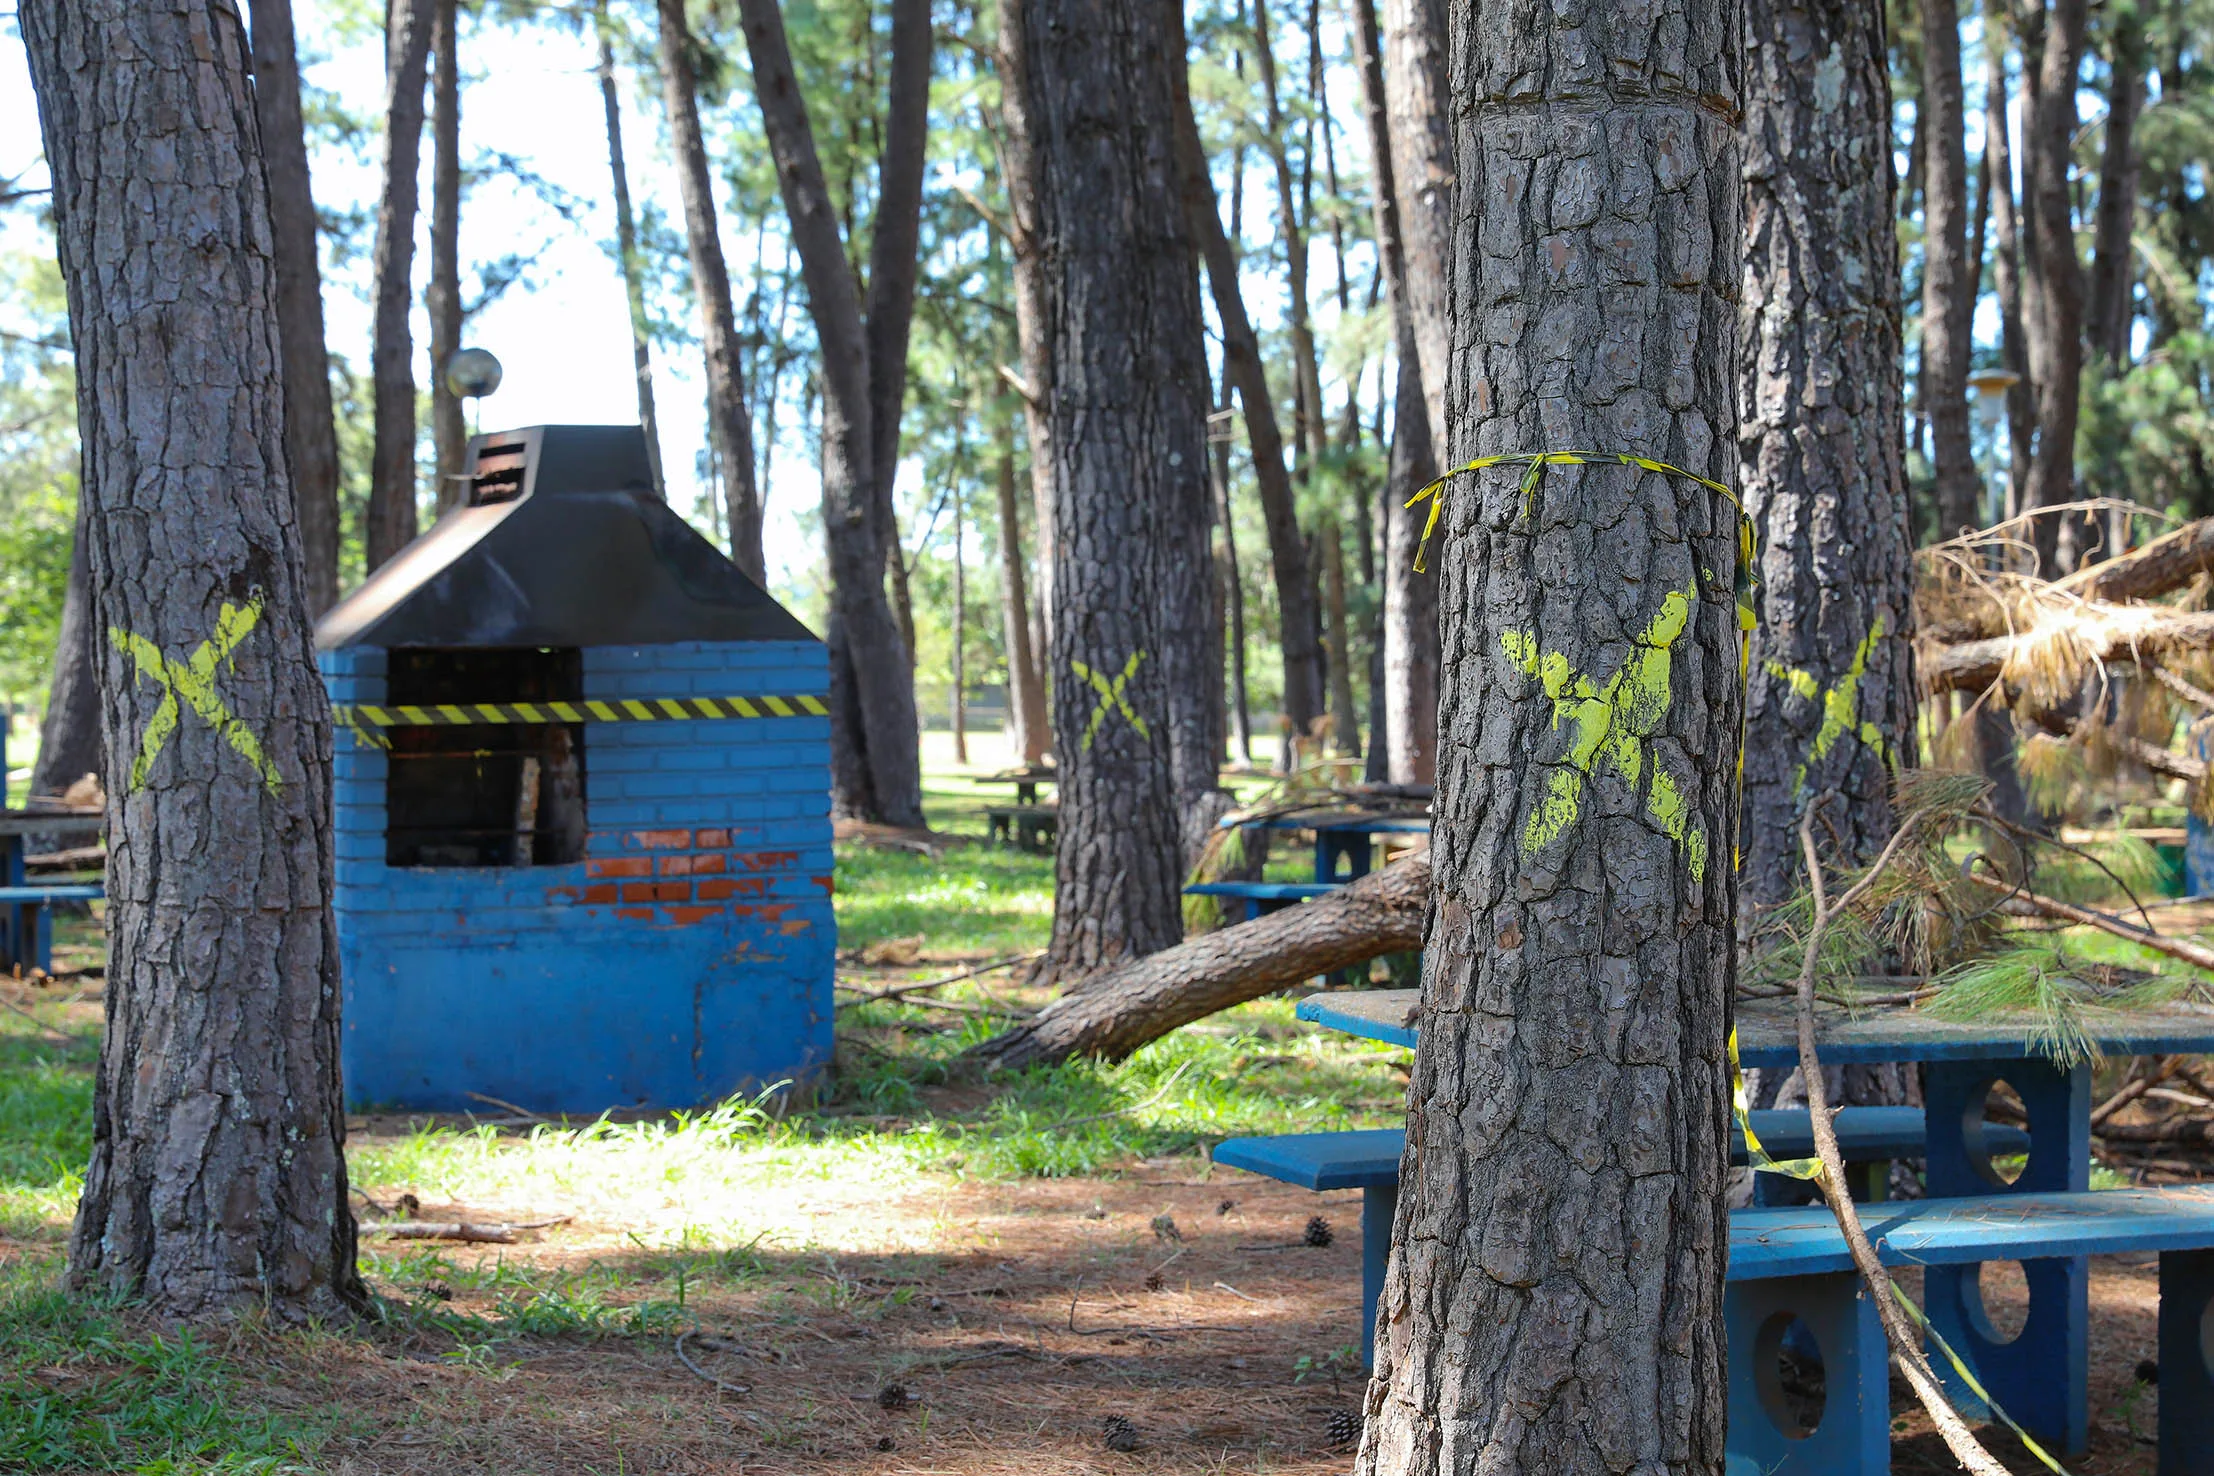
1554	1300
389	524
1241	359
1018	167
2056	324
960	640
218	1177
634	267
1411	653
875	761
1025	692
1831	697
1416	61
1307	429
69	744
2006	263
1949	280
1240	712
1105	98
1345	723
728	424
2112	269
310	435
449	437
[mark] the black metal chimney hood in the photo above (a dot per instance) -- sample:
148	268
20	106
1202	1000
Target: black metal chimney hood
560	543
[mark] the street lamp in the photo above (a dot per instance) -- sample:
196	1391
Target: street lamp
1991	386
472	374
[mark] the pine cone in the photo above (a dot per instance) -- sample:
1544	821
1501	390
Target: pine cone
1164	1228
1345	1427
1154	1281
1319	1233
1120	1434
1226	1206
893	1396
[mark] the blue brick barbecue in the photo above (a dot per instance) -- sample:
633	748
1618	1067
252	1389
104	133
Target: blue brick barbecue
571	875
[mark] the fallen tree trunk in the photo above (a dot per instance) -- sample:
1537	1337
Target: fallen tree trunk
2161	567
1126	1007
1972	666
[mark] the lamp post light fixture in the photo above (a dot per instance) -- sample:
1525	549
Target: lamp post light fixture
471	374
1991	386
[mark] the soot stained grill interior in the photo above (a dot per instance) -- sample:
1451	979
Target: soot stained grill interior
485	794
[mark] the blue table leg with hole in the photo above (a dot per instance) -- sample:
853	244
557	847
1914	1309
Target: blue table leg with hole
18	922
1352	848
1379	1202
2041	1377
2186	1363
1852	1435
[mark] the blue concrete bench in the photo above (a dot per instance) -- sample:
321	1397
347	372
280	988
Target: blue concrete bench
1790	1276
1260	898
26	932
1368	1160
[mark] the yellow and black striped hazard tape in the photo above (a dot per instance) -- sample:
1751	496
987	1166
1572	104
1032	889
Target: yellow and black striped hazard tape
368	720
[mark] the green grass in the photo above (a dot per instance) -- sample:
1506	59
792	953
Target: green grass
971	899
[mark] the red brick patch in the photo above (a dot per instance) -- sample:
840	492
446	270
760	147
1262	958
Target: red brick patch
662	840
657	891
691	865
764	860
686	916
635	914
602	892
734	886
620	866
711	840
828	884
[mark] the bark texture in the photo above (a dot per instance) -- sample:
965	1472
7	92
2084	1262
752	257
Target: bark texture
218	1177
1128	427
310	434
1949	279
1025	691
449	437
1018	167
389	525
1242	366
876	766
2109	309
1417	60
1554	1301
69	730
1142	1001
727	421
626	251
2006	261
1830	695
2055	311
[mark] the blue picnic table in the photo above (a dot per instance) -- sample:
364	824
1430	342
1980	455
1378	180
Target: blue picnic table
2040	1377
1345	837
26	922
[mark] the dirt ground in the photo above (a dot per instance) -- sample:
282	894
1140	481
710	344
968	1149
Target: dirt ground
990	1328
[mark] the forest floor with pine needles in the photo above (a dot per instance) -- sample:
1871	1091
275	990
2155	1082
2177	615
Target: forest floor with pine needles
920	1273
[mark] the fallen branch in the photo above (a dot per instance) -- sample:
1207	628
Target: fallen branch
953	1006
2161	567
720	1384
2023	903
2163	1068
2102	632
1122	1009
899	990
456	1230
1905	1346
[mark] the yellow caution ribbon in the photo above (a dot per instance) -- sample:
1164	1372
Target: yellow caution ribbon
1809	1169
1975	1385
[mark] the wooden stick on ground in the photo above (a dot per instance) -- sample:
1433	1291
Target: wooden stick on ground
1959	1439
899	990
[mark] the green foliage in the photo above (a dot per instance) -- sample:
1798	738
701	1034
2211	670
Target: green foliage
38	470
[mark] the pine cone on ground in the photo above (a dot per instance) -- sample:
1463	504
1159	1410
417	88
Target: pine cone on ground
1345	1427
1319	1233
1154	1281
1120	1434
893	1397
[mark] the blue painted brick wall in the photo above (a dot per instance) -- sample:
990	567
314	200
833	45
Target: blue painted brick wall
687	956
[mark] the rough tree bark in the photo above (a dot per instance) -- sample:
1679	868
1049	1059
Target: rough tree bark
1949	280
449	437
389	524
728	424
310	434
876	766
626	250
2109	309
1242	365
1345	722
69	731
2056	323
1554	1300
1410	614
1831	698
1239	712
1025	692
1018	169
1143	1000
218	1176
1307	429
1105	98
1416	61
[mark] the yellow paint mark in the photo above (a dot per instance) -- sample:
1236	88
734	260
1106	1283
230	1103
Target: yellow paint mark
1840	707
1110	695
193	680
1611	722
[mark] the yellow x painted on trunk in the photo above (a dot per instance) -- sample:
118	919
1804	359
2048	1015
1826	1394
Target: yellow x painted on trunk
1840	707
193	679
1110	695
1611	722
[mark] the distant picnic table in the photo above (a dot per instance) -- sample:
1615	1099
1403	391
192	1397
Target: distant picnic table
1345	835
26	926
1026	823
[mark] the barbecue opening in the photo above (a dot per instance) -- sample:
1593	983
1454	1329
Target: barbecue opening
484	794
